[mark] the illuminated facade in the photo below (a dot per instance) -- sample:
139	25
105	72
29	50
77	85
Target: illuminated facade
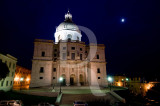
135	84
67	57
7	83
22	78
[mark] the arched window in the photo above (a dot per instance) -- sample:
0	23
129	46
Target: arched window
69	36
59	37
77	38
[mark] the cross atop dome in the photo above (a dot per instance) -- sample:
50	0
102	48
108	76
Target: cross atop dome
68	16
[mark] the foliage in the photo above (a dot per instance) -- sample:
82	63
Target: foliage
4	70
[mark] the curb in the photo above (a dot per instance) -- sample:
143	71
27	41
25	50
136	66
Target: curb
58	100
118	97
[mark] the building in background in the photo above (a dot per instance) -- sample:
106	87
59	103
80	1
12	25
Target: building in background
136	85
68	57
7	83
22	78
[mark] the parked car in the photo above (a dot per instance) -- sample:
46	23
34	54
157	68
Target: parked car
80	103
11	103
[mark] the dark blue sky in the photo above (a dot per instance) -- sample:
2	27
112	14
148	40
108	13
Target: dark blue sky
132	46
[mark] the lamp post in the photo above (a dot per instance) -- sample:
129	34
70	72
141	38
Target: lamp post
21	79
60	80
110	79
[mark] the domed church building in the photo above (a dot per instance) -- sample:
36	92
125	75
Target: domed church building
68	58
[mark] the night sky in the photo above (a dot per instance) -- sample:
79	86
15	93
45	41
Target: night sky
132	46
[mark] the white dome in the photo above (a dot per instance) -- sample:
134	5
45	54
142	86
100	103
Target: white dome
67	26
67	30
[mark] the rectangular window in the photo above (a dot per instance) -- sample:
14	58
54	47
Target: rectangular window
54	77
2	83
12	74
40	77
55	55
64	56
73	56
43	54
80	56
10	65
55	59
97	56
14	66
11	83
41	70
54	69
55	50
99	77
6	83
80	49
98	70
73	48
64	48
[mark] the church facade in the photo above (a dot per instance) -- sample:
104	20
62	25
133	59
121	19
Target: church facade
68	57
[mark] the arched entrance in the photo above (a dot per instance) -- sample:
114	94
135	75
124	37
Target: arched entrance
81	79
72	79
64	80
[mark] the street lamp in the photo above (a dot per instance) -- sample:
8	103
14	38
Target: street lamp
21	79
60	80
110	79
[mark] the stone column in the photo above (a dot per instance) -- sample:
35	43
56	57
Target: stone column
59	73
78	84
86	72
68	76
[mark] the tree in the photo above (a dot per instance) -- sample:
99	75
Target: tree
4	70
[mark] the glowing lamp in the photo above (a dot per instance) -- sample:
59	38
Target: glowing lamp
21	79
60	79
16	79
110	79
119	84
127	79
27	79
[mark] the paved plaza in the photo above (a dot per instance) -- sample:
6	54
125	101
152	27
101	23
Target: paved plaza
72	93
